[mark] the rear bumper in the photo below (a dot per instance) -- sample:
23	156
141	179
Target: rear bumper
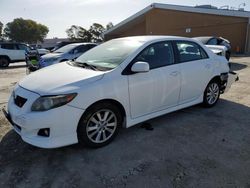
232	77
228	80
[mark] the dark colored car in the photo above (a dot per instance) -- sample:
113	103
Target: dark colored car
62	43
220	41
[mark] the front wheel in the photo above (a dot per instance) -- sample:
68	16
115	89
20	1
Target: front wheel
99	125
211	94
4	62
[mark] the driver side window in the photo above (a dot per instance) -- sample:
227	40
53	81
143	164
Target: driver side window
157	55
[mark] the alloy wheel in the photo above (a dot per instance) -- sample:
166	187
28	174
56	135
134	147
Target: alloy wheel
213	92
101	126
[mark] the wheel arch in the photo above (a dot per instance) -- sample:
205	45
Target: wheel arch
5	56
216	78
112	101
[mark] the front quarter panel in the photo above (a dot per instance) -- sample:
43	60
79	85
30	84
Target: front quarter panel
112	86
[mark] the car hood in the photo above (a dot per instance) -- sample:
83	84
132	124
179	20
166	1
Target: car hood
59	79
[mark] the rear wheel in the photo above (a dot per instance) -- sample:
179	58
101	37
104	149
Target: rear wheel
211	94
99	125
4	62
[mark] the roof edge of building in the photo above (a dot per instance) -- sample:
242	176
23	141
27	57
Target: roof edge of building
140	13
234	13
222	12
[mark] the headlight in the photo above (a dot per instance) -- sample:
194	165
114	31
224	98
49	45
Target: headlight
48	102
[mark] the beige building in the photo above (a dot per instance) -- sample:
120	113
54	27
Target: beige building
163	19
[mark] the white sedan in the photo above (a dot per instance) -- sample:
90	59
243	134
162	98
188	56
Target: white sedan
118	84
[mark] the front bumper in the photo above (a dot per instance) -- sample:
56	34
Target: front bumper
62	123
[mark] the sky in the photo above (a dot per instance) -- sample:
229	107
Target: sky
58	15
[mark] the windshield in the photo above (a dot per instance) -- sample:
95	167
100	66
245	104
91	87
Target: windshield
110	54
65	49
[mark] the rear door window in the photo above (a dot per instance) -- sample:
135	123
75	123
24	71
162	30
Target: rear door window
189	51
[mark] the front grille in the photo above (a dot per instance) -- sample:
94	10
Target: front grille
19	101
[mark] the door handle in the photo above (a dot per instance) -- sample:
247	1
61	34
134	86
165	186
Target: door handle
175	73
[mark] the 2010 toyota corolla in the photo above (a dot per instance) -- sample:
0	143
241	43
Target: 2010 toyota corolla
120	83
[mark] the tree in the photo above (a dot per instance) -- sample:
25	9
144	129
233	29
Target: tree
96	31
78	33
1	29
94	34
109	26
29	31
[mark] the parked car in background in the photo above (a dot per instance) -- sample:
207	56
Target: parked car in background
68	52
42	51
12	52
218	45
121	82
61	44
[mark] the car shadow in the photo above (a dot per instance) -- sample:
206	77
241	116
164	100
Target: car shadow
13	67
237	66
178	137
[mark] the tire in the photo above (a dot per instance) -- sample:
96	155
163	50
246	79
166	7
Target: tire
211	94
99	125
4	62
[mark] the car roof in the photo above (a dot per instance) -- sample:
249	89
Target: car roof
148	38
12	43
78	44
204	39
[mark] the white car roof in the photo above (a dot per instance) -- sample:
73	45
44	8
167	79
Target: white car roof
148	38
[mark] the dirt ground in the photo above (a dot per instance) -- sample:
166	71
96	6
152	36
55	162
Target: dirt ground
194	147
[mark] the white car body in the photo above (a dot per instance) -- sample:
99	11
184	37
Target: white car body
143	95
219	50
14	54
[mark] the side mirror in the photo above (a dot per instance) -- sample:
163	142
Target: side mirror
140	67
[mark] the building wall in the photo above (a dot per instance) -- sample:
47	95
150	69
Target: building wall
248	38
178	23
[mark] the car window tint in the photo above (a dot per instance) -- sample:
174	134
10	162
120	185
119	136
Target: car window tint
22	47
157	55
203	53
91	46
189	51
212	41
81	49
8	46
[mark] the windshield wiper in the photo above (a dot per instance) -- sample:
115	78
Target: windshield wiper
85	65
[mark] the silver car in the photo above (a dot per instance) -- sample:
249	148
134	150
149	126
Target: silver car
68	52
